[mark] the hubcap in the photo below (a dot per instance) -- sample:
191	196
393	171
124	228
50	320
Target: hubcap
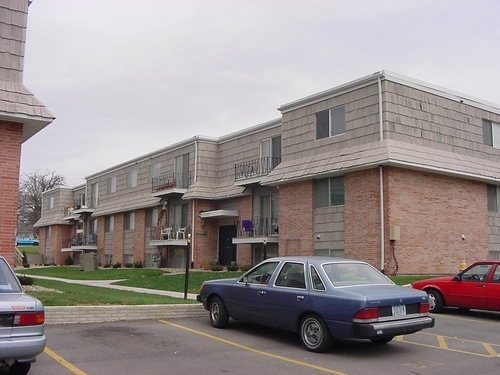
215	312
312	333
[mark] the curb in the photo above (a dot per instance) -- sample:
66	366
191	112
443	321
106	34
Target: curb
114	313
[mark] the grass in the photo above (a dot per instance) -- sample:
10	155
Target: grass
136	277
28	249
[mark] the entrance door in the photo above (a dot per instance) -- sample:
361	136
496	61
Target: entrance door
227	251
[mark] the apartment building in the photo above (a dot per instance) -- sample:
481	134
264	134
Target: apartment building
22	115
387	169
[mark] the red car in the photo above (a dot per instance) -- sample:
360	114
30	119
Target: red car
476	287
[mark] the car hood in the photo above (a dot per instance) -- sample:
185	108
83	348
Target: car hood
435	280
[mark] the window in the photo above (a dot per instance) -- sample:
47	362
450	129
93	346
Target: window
292	276
330	123
260	275
182	170
493	198
270	153
112	185
51	203
109	224
329	192
129	220
491	133
338	253
132	179
180	216
269	214
94	189
154	171
151	217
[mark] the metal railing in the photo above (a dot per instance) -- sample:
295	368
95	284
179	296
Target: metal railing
82	240
170	181
257	227
168	232
255	168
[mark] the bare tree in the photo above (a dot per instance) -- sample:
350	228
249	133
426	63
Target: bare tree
31	188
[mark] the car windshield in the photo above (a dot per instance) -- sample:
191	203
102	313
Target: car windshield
8	281
350	274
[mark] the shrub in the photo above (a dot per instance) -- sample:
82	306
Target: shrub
25	280
233	267
139	264
68	261
217	267
246	267
107	265
117	265
128	265
25	260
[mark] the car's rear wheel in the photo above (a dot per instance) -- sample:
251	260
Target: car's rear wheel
20	368
314	334
218	313
382	340
436	301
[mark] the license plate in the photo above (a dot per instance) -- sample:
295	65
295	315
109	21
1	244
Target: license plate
398	310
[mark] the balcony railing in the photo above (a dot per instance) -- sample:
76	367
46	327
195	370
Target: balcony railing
255	168
257	227
170	181
83	240
168	232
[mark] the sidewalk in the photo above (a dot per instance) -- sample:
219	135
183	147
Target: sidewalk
110	313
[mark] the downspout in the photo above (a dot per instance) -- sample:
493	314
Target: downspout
381	182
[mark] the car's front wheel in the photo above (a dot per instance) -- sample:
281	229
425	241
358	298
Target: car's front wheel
436	301
20	368
218	313
314	334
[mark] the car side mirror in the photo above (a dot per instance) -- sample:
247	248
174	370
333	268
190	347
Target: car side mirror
245	280
457	278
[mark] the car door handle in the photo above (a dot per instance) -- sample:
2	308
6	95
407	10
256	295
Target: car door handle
300	298
261	292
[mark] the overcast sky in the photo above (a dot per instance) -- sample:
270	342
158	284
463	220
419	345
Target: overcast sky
125	78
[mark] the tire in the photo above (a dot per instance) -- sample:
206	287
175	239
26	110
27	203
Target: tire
218	313
314	334
436	301
382	340
20	368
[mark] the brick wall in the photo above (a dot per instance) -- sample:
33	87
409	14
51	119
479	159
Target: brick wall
433	213
118	238
205	247
139	235
296	219
10	159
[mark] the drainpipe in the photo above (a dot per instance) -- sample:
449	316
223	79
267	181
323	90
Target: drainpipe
381	178
194	200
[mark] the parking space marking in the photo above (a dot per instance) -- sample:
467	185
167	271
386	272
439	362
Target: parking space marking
454	344
244	347
63	362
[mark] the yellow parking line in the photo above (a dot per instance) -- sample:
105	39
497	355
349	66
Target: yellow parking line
63	362
490	350
442	343
278	357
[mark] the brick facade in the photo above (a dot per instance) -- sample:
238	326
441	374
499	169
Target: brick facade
10	158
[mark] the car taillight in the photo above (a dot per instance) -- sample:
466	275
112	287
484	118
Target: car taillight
367	314
29	318
423	308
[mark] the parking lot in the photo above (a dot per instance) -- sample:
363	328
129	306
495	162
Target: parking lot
460	343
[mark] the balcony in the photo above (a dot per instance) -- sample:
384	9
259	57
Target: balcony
82	242
88	208
257	231
170	183
251	172
170	235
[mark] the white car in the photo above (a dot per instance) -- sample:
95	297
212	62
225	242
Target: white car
22	324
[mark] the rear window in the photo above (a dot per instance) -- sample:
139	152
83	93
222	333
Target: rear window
8	280
350	274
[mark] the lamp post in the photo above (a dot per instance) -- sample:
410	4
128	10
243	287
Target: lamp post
188	253
264	250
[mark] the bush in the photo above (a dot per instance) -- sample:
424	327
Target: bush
25	260
233	267
246	267
117	265
217	267
25	280
139	264
107	265
68	261
128	265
